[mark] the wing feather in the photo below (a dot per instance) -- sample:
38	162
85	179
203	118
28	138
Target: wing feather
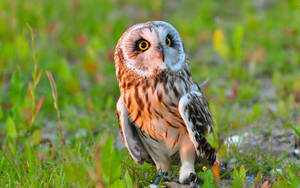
130	136
194	110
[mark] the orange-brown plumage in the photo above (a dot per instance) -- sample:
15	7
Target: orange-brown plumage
161	110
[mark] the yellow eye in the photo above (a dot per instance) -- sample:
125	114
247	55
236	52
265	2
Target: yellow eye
143	45
168	41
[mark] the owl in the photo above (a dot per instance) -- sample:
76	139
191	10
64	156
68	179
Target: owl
163	116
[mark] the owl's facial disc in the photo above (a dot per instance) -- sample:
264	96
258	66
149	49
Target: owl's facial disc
152	47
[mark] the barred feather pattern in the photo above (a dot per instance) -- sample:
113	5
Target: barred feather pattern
199	115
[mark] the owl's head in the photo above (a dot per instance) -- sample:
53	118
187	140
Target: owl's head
151	47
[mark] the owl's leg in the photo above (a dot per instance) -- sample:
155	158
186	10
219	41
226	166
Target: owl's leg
163	167
187	173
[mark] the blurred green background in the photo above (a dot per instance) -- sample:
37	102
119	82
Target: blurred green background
249	50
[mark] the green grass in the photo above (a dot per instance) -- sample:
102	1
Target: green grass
248	50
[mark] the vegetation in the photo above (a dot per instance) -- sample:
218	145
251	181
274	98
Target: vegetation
58	89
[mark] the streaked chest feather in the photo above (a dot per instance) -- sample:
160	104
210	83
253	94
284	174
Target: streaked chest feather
153	106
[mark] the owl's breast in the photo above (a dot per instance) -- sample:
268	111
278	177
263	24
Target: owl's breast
153	106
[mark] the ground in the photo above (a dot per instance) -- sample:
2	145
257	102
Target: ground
58	90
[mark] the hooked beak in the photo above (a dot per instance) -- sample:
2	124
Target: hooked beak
161	50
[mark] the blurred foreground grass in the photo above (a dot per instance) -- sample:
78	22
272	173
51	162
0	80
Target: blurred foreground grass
248	49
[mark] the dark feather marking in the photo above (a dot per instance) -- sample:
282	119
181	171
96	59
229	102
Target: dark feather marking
176	140
174	113
147	97
138	99
188	72
171	84
171	125
137	116
147	84
175	91
149	108
158	114
119	74
165	87
155	85
153	139
129	84
143	134
121	55
166	134
141	125
159	96
165	105
128	102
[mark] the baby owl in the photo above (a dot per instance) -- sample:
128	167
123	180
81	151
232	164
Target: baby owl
162	113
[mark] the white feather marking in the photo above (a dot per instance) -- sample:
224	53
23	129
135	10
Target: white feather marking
130	65
195	89
184	114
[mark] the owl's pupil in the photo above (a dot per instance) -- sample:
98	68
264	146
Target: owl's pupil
168	41
143	45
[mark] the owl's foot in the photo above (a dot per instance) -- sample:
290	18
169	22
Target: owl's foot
193	181
159	177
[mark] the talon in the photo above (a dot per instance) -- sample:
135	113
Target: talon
160	175
193	181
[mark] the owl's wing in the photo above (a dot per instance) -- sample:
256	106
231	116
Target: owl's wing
194	110
130	136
